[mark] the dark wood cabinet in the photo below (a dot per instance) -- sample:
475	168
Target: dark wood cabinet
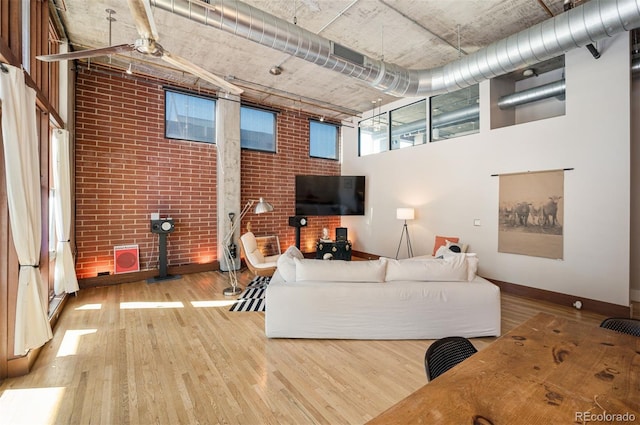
340	250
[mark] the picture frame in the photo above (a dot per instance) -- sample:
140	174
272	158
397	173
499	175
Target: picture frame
268	245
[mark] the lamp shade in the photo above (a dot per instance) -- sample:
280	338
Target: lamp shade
263	206
405	213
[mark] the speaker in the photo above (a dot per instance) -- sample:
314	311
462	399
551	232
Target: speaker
164	225
298	221
341	234
126	258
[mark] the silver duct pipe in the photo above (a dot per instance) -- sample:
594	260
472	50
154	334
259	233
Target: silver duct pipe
585	24
545	91
468	113
635	65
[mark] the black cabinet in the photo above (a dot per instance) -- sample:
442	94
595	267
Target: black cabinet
340	250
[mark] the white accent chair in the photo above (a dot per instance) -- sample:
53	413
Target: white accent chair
256	262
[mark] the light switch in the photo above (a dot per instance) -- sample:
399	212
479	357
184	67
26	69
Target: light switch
476	222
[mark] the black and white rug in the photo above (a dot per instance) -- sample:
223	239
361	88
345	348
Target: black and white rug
252	298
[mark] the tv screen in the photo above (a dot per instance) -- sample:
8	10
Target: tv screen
329	195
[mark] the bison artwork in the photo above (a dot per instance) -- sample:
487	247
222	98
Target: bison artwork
522	213
550	211
531	214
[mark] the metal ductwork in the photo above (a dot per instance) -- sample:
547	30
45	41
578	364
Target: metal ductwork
459	116
545	91
578	27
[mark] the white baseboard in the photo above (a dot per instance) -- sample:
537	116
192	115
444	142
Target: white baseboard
635	295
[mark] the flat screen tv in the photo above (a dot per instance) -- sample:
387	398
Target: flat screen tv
329	195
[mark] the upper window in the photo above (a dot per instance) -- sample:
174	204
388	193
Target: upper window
189	117
373	135
257	129
409	125
455	114
323	140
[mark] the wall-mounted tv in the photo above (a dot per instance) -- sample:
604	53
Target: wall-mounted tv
329	195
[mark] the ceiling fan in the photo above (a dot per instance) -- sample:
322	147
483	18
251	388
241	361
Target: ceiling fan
147	44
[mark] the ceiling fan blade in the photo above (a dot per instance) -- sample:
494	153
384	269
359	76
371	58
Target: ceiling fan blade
194	69
141	12
89	53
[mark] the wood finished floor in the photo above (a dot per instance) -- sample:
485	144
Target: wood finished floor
172	353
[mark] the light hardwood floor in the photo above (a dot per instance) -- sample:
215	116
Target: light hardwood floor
172	353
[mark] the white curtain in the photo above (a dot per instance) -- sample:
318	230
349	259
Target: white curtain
22	165
65	273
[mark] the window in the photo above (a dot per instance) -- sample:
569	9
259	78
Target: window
189	117
257	129
323	140
373	135
455	114
409	125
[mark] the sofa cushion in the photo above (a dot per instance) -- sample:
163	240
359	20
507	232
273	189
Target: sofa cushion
450	268
340	271
286	264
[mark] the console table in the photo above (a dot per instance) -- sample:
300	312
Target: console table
341	250
546	371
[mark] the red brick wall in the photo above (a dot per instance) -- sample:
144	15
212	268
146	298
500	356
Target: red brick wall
126	169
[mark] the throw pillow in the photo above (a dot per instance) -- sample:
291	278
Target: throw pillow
442	240
340	271
286	264
456	246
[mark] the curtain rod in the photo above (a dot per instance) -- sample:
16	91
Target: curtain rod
525	172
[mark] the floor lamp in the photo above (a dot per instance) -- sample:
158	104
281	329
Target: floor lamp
405	214
230	257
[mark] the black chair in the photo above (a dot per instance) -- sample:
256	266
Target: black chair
445	353
622	324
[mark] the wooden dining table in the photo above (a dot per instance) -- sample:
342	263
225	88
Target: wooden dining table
548	370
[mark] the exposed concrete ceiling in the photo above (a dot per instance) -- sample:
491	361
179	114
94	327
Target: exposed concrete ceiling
416	34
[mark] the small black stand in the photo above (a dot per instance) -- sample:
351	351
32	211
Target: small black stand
298	222
162	228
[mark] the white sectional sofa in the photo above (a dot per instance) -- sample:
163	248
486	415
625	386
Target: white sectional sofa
423	298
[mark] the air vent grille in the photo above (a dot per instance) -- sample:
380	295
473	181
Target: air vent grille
347	54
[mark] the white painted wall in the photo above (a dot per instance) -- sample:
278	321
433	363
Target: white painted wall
450	184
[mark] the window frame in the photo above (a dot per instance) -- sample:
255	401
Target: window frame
175	91
337	140
274	114
425	129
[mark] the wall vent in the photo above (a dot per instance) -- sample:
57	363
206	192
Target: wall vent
126	258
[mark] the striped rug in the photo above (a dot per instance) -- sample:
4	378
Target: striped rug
252	298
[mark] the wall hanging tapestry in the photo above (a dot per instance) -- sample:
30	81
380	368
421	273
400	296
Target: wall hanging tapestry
531	214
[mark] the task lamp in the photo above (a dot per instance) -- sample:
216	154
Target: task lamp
229	247
405	214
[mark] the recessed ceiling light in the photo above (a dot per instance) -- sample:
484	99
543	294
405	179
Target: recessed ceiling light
275	70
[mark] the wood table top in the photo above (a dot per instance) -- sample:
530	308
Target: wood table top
548	370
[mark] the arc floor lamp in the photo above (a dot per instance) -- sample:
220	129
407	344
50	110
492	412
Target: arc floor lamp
229	247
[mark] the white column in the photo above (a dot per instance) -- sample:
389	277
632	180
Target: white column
228	190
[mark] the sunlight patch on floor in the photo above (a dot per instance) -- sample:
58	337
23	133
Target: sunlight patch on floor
90	307
71	341
151	304
17	406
